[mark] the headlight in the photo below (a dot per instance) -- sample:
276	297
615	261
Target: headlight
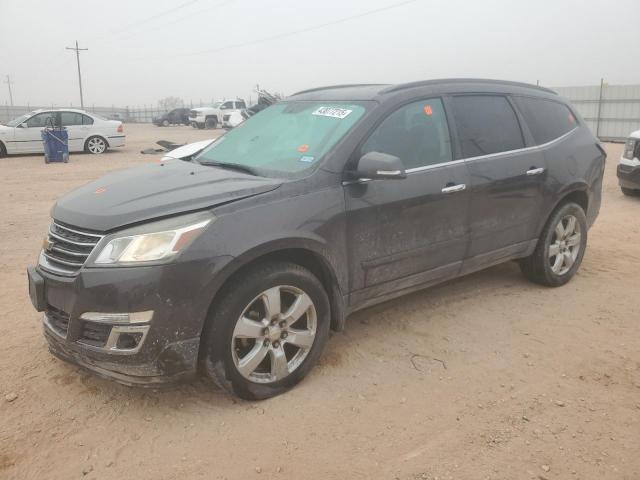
156	242
629	148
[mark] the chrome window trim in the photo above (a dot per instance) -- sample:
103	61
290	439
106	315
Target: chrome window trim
471	159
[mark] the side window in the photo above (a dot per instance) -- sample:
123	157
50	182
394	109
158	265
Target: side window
42	120
69	119
486	124
416	133
546	119
87	120
240	105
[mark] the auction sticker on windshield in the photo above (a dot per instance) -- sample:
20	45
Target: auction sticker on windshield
332	112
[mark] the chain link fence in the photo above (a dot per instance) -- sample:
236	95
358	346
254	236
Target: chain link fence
611	111
140	114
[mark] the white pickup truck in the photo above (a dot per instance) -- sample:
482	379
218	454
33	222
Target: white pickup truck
213	116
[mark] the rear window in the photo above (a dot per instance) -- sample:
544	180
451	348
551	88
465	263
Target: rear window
486	124
546	119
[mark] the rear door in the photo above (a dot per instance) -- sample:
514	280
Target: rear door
76	130
507	178
409	232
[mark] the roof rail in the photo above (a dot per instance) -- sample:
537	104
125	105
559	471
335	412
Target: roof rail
403	86
330	87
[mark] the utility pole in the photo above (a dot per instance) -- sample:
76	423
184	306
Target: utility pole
77	50
9	82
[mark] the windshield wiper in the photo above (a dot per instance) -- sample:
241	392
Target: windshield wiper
232	166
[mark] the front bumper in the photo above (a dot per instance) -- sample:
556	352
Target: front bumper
629	176
178	294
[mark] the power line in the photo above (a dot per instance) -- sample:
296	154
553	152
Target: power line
294	32
77	50
9	82
150	19
180	19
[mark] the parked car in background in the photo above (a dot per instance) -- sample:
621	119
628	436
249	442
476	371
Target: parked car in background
87	132
177	116
212	117
235	118
239	263
629	166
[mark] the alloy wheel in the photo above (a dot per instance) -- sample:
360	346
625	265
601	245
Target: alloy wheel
96	145
274	334
565	245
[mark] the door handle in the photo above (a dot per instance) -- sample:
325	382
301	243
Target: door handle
454	188
535	171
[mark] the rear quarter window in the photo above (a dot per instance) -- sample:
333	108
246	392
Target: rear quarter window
546	119
486	124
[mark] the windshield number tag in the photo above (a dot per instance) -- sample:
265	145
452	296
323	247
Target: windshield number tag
332	112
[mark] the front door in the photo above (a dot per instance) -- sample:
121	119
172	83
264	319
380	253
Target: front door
409	232
27	137
507	178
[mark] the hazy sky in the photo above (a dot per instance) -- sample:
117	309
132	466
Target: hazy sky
144	50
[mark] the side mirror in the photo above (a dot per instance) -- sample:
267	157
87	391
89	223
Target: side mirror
23	125
376	165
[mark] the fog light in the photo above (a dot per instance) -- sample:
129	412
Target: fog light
131	317
128	341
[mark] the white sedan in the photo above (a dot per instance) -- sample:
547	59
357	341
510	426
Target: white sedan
87	132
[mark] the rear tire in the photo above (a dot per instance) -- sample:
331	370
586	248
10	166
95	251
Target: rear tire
3	150
165	123
257	351
627	191
560	248
95	145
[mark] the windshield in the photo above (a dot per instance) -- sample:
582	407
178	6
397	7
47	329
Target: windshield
284	139
17	121
216	104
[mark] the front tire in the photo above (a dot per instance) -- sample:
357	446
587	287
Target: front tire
560	248
266	331
165	123
627	191
211	123
95	145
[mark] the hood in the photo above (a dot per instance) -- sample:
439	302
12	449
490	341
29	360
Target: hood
187	150
152	191
635	134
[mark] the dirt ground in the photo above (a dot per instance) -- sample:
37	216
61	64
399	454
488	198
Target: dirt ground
486	377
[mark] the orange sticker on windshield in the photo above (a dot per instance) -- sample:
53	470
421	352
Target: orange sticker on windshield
428	110
303	148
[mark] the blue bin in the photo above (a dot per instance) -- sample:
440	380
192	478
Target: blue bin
56	144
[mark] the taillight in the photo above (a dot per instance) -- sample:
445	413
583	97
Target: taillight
120	128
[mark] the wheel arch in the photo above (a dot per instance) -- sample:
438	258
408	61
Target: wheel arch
303	252
89	137
576	193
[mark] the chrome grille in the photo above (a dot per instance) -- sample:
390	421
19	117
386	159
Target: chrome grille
67	249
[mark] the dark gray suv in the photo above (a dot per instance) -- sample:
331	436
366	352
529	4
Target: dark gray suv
238	263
